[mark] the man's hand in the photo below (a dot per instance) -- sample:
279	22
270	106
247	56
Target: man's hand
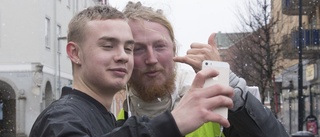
195	107
200	52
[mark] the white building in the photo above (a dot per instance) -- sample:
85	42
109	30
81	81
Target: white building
33	63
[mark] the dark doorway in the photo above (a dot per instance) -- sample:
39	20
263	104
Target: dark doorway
7	110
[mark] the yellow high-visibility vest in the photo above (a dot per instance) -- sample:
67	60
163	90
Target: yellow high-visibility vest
209	129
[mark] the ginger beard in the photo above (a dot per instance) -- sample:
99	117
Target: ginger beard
153	89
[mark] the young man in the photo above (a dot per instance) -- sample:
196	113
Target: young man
154	87
100	47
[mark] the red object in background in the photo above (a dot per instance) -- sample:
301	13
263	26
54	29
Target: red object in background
312	124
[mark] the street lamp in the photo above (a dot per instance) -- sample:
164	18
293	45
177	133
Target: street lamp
300	76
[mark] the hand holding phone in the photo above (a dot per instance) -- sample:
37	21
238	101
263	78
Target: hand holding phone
222	78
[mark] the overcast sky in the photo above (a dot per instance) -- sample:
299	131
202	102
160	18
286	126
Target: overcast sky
194	20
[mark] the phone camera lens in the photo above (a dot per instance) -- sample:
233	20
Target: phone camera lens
206	63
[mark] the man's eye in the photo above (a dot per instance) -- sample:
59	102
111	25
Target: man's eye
128	49
108	46
159	46
138	49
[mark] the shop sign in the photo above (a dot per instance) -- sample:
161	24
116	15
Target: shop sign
311	72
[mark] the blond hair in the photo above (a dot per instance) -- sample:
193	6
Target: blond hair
136	11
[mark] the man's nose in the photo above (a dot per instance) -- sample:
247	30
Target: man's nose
151	57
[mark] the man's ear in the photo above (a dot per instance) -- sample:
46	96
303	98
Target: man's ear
73	51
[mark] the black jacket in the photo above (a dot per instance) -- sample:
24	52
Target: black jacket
254	120
251	120
76	114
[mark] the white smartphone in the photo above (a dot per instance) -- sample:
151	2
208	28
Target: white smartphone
222	78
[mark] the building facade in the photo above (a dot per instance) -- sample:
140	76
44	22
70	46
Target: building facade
33	63
285	31
287	11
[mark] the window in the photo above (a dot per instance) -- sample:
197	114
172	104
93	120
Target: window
58	36
267	98
69	4
75	6
312	18
0	29
58	30
85	4
47	32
